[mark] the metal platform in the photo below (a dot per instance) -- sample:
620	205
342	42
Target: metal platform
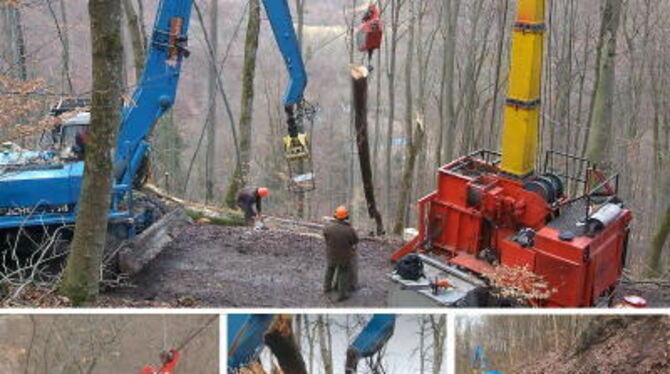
413	294
572	216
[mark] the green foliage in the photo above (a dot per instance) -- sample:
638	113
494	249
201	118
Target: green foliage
228	219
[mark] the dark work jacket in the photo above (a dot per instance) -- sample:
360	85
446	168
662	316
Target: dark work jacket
248	197
340	241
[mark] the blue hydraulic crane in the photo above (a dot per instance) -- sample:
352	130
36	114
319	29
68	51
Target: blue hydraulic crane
246	339
298	110
479	362
370	341
41	187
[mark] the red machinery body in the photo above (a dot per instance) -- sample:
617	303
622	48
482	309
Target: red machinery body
169	359
369	36
477	211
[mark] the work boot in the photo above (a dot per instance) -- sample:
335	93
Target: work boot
342	298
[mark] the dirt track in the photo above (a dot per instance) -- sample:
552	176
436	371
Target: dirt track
223	266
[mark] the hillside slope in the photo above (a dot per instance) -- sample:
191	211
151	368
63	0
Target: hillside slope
612	345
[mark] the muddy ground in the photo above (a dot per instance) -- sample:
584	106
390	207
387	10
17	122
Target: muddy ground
223	266
643	347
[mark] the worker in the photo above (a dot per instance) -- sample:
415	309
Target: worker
80	142
247	198
169	360
369	35
341	240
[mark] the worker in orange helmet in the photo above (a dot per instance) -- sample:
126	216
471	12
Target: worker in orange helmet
341	240
169	361
248	198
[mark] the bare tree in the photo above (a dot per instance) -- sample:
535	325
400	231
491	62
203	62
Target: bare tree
82	274
15	44
600	122
323	329
246	109
211	121
137	40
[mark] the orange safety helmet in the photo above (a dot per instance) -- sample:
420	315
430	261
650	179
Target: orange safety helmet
262	192
341	212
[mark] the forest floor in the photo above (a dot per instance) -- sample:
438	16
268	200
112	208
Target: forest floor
227	266
639	348
209	265
656	293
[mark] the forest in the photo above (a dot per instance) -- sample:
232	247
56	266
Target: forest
436	93
562	344
70	344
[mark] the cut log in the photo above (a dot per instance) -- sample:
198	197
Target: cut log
207	211
359	77
253	368
147	245
281	341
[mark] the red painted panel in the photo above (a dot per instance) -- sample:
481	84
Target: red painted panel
565	276
512	254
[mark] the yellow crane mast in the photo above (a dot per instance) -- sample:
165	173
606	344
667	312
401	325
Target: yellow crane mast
522	108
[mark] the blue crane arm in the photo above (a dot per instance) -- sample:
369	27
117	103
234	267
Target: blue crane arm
245	337
370	340
157	88
279	15
374	335
479	361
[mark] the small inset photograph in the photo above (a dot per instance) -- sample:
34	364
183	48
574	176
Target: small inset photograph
562	344
346	343
104	344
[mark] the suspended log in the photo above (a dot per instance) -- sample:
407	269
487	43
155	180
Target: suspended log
281	341
359	77
253	368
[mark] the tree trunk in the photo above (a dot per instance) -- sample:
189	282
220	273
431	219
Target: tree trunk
239	179
439	327
406	182
492	138
14	50
326	352
300	12
471	77
136	39
412	147
359	76
600	122
422	344
446	143
62	36
210	156
66	46
281	341
82	273
654	267
396	5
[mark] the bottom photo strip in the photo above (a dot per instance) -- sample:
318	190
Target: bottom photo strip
401	343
